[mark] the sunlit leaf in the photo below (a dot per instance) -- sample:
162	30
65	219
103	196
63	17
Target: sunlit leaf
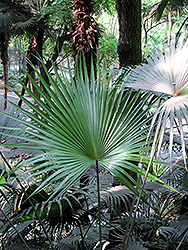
167	75
83	121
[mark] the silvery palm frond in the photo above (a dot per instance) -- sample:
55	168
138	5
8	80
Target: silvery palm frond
166	74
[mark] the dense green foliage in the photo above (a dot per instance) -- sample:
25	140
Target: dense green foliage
98	160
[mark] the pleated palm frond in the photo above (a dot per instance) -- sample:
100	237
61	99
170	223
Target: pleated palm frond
7	16
12	12
136	245
117	195
63	210
81	122
8	219
169	202
18	217
177	177
158	9
25	25
176	233
73	240
166	74
8	123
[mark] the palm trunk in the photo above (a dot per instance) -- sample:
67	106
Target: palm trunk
85	33
34	51
169	27
39	45
5	78
4	58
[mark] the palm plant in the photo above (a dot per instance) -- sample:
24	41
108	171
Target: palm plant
85	31
14	17
8	122
160	7
167	75
18	219
82	124
164	226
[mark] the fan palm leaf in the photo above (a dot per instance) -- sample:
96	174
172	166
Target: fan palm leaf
166	74
176	232
158	8
117	195
25	25
8	122
83	121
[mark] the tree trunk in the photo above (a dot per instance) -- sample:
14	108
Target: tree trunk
129	45
169	27
129	48
4	40
34	52
85	32
39	53
5	77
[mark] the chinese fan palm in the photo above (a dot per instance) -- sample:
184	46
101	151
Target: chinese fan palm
166	74
83	121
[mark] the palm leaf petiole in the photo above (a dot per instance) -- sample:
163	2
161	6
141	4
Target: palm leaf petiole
99	203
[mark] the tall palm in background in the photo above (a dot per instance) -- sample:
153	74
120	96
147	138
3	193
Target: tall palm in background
179	6
58	32
85	32
12	14
129	44
160	7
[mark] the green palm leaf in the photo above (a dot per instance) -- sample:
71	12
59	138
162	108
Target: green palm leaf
168	75
83	121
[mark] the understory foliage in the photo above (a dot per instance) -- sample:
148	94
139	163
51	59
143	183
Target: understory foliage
88	128
72	220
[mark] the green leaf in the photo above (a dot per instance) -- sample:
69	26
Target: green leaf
81	123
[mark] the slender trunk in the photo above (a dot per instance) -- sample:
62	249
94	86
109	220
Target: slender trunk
178	33
99	205
57	49
31	55
129	45
19	56
169	27
4	40
34	52
145	36
5	78
23	90
39	53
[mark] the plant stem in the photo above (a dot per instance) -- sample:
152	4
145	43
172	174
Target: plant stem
178	247
99	204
